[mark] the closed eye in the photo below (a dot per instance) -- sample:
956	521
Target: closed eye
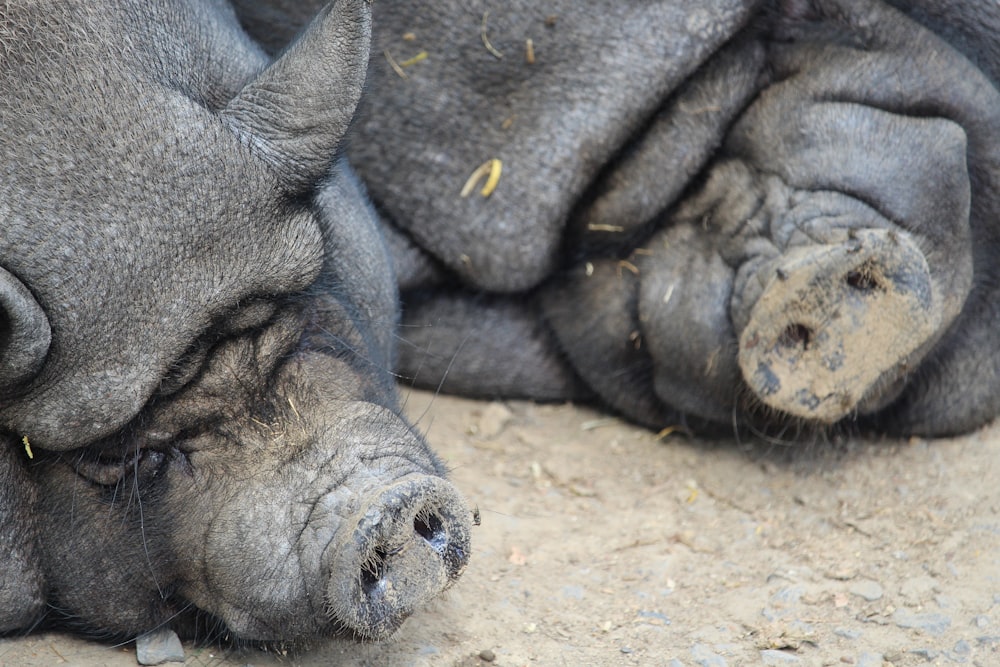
110	471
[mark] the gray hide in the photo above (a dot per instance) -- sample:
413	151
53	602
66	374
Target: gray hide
196	307
710	213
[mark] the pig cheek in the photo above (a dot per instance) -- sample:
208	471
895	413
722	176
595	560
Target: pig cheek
247	562
104	553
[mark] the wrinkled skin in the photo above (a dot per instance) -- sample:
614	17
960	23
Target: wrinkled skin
774	214
196	307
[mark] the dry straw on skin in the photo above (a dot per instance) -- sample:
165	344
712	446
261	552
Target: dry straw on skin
397	67
598	227
486	40
627	265
394	65
414	60
490	170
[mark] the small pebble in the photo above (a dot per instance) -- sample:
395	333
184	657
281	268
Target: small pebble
158	646
931	623
788	595
494	420
919	588
944	601
867	589
870	660
774	658
927	654
962	649
654	617
487	655
706	657
982	621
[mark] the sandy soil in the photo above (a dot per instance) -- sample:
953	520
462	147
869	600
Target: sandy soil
601	545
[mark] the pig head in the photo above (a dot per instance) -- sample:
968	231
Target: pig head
775	214
199	423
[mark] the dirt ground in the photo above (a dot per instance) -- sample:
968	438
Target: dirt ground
602	545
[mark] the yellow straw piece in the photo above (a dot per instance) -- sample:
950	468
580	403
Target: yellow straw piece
491	183
27	447
625	264
490	170
414	60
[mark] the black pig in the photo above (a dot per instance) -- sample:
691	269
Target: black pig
200	427
728	212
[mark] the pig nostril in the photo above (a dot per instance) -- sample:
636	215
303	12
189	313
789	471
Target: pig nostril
862	280
373	570
431	529
407	542
383	558
795	335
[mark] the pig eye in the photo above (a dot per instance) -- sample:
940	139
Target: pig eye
142	464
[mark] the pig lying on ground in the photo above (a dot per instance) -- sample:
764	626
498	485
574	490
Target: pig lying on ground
200	428
721	213
729	211
726	213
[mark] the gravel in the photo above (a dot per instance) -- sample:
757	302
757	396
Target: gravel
158	647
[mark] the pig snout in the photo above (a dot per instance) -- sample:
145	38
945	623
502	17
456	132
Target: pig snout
836	324
409	542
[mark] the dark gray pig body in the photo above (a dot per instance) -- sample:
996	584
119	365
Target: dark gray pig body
723	212
200	428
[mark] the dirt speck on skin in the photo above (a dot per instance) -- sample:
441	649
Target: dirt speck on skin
601	545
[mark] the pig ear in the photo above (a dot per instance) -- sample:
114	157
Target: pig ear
297	110
24	333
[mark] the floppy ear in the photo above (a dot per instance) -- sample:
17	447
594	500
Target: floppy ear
297	110
24	333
